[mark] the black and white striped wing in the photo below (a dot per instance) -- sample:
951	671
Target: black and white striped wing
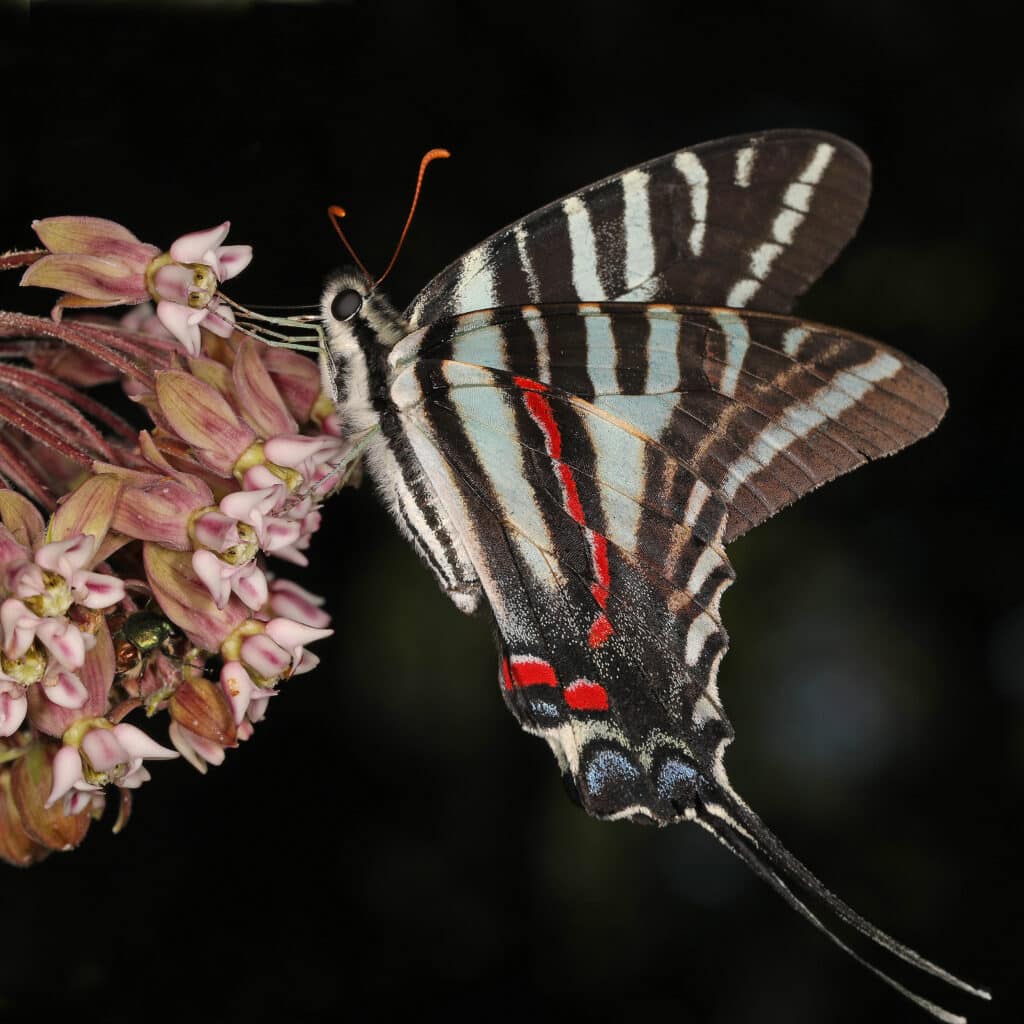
747	222
595	459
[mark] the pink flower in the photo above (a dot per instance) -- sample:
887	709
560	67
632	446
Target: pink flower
105	754
222	579
186	285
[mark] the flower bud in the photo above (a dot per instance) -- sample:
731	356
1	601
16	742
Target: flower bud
16	846
200	707
21	518
258	398
95	262
157	508
31	783
185	600
204	419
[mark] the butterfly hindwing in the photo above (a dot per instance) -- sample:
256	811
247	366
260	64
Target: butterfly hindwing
748	221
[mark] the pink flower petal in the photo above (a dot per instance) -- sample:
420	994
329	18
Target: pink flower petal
216	530
263	656
290	601
183	323
28	581
258	705
180	737
220	320
250	584
232	260
19	627
212	753
172	282
104	751
250	506
194	247
291	554
259	477
293	449
67	770
278	533
66	557
237	687
215	574
63	640
79	800
13	707
293	636
138	744
134	778
306	663
96	590
66	690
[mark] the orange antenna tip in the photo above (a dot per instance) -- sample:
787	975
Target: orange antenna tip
429	157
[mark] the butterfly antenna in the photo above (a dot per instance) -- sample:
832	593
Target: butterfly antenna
428	158
740	830
335	213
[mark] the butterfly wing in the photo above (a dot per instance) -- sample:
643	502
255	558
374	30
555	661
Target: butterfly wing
749	221
594	493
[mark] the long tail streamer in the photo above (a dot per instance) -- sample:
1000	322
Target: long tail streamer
740	830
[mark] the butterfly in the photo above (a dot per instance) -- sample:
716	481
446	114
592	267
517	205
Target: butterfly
573	420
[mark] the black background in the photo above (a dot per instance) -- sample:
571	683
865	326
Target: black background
389	834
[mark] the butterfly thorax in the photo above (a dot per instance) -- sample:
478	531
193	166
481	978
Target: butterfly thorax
362	328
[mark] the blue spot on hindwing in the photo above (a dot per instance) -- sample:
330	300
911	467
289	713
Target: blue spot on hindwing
609	768
676	778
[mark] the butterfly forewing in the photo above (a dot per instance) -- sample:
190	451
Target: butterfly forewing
749	221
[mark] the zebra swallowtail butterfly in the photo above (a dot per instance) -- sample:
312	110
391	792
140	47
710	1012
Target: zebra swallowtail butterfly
572	421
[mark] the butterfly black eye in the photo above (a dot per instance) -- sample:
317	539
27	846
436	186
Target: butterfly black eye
346	304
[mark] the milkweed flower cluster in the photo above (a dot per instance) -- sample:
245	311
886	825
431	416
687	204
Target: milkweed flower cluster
134	573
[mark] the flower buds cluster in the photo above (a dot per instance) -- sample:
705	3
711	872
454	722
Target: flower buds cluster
147	589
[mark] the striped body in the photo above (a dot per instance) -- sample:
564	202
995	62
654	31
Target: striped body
566	444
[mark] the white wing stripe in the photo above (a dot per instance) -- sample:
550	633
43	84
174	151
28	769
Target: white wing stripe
697	636
796	202
527	264
582	251
737	341
744	166
848	388
636	221
695	173
475	286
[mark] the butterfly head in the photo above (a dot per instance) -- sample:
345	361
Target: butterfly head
360	326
